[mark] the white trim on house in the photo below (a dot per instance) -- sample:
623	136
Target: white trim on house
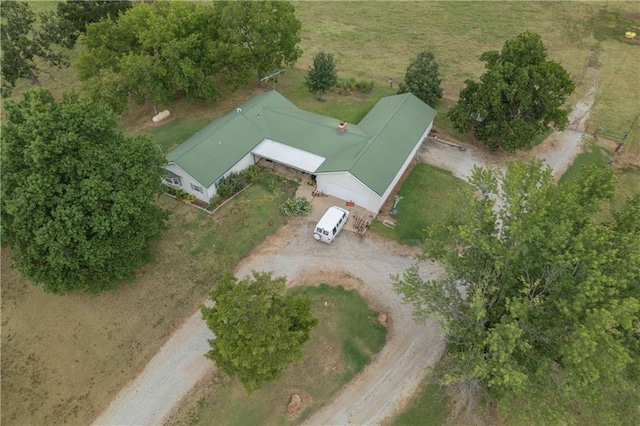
288	155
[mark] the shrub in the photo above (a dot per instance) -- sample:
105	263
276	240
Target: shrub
255	174
364	86
171	191
215	202
180	194
232	184
351	85
299	206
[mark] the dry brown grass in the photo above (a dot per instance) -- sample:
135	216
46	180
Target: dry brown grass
65	357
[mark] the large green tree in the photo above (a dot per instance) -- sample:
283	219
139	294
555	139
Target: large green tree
267	33
519	96
26	44
155	52
422	78
72	17
322	76
259	328
78	197
540	301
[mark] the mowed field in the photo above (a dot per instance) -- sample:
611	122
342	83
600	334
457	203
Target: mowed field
378	39
64	358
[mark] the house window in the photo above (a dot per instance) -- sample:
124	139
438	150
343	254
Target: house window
173	181
172	178
197	188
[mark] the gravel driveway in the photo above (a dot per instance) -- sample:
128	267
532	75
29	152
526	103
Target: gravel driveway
364	263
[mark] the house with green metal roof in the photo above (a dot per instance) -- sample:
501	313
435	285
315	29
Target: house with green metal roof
361	163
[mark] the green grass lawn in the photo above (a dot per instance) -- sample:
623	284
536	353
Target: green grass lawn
378	39
592	155
428	407
429	194
172	134
349	108
628	179
340	346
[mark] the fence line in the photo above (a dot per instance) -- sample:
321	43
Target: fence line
595	131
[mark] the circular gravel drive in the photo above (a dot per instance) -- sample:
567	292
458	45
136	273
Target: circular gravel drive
364	263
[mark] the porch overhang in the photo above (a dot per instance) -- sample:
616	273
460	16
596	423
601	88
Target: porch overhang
288	156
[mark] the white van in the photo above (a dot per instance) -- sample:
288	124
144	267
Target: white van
331	224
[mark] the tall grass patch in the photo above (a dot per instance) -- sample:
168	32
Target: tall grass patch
428	195
342	343
616	106
628	185
628	179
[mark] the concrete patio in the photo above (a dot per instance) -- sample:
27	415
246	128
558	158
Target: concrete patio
319	206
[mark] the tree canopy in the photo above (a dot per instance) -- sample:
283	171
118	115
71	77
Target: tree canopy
422	78
72	17
259	328
24	44
540	302
166	49
519	96
77	195
322	76
153	51
267	32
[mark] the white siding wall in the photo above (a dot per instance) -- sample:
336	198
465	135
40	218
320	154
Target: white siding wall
244	163
403	168
186	181
211	191
340	184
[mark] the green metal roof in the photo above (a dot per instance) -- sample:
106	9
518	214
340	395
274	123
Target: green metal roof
373	151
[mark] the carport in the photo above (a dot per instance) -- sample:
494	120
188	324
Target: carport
288	156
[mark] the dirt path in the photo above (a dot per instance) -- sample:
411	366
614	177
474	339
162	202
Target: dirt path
558	151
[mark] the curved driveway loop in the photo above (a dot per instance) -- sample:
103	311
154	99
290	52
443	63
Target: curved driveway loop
363	263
